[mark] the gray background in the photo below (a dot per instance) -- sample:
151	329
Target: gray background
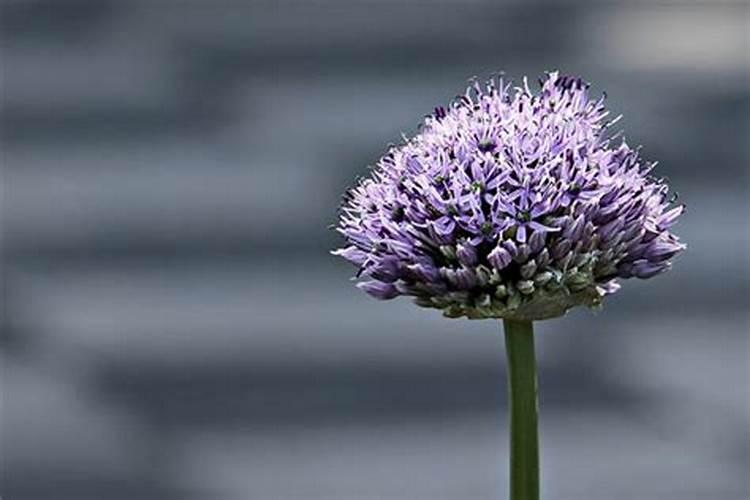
173	325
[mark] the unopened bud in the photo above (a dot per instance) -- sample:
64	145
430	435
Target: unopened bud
526	287
542	278
448	251
528	269
484	300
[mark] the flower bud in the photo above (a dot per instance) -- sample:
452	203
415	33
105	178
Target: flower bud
523	253
526	287
466	254
542	278
378	289
448	251
499	258
528	270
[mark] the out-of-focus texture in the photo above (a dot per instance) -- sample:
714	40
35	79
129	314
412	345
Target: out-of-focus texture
174	328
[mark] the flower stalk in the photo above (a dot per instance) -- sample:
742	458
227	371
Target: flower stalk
511	204
523	402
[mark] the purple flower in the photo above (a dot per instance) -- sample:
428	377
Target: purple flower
510	204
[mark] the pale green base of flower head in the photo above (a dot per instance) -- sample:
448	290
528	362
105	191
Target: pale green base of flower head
546	295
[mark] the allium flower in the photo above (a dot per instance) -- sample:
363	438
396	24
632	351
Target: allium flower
510	204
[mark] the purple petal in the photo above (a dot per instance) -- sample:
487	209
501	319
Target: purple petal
511	247
536	241
466	278
444	226
378	289
351	254
643	269
646	269
608	230
666	220
574	231
661	250
521	233
424	272
499	258
467	254
537	226
385	269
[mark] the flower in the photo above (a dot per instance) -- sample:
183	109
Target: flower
510	204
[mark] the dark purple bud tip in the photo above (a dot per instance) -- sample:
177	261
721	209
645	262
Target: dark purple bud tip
486	146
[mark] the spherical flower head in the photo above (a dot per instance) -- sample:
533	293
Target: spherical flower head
509	204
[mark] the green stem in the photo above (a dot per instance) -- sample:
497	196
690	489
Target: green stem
522	393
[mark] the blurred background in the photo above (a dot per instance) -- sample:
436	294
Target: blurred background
173	326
